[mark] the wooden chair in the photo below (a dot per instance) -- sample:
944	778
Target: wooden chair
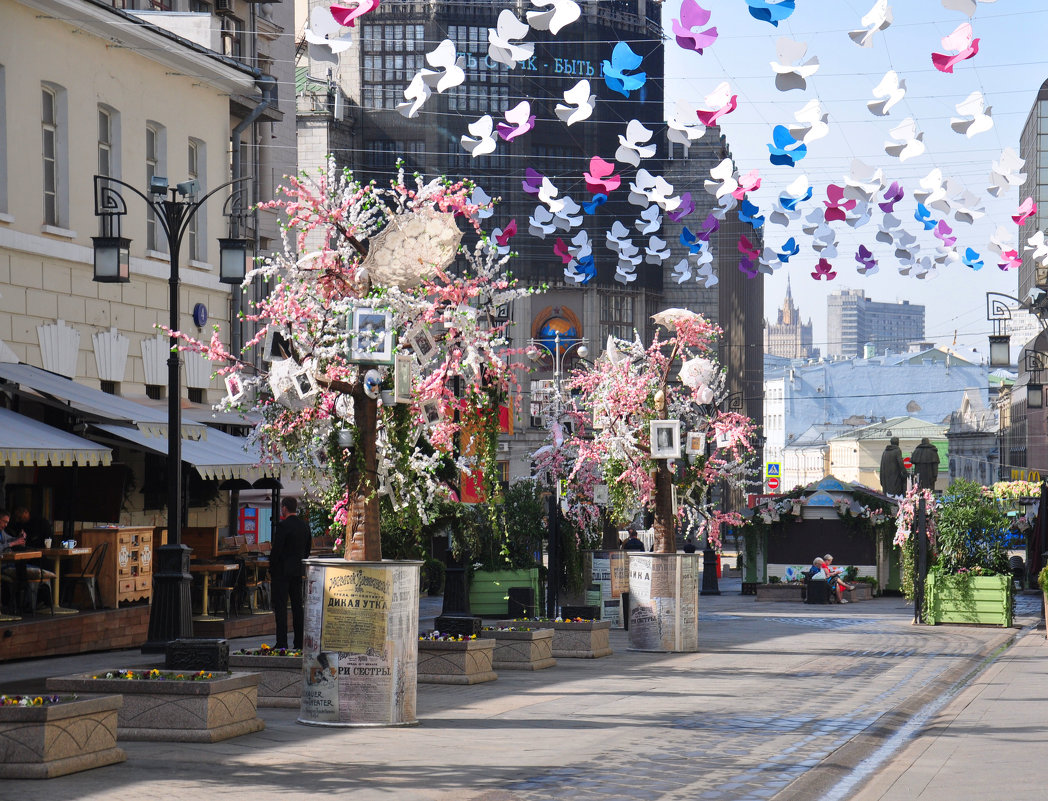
88	576
256	590
25	582
229	588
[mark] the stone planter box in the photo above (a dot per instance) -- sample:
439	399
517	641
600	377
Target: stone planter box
862	592
969	599
489	590
176	711
587	639
780	592
522	650
42	742
279	678
456	662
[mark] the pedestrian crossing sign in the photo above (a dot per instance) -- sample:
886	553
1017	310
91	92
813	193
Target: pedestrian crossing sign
774	469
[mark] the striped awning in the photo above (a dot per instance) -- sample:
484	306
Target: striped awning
25	442
220	456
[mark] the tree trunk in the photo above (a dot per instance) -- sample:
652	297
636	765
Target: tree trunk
665	541
364	542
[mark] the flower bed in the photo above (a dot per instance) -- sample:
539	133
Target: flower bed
784	591
572	639
521	648
279	674
57	736
968	598
168	706
454	659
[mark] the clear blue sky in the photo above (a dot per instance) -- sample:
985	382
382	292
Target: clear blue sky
1008	70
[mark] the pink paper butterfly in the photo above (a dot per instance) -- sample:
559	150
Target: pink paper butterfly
692	15
347	16
510	230
1026	210
747	248
961	41
824	270
599	179
837	208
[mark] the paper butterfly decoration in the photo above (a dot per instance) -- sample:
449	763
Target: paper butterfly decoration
579	104
863	182
877	19
966	7
788	74
616	74
747	248
562	13
770	12
416	93
716	104
594	203
682	271
1005	172
867	264
448	67
632	147
862	215
561	250
972	259
724	205
532	181
482	201
692	242
908	144
891	90
548	195
967	208
600	177
784	149
1010	261
501	45
1039	247
960	41
656	251
648	220
503	235
686	207
683	129
886	230
837	207
923	215
348	16
824	270
750	182
748	268
942	232
323	35
893	195
540	224
582	270
616	235
482	140
811	123
519	120
933	192
567	217
977	119
797	192
789	249
692	16
1026	210
749	213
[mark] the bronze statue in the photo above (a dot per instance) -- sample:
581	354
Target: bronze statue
893	472
925	458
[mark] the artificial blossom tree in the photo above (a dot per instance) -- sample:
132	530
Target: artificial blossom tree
615	402
387	361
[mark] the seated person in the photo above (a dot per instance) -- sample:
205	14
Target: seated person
34	529
8	540
12	539
836	579
633	542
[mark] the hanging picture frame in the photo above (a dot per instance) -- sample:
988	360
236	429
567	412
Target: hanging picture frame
431	411
421	341
234	388
695	444
403	372
305	384
277	344
665	439
372	336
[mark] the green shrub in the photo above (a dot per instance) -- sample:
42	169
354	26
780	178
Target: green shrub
433	576
1042	579
774	579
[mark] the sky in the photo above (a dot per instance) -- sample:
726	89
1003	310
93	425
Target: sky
1009	68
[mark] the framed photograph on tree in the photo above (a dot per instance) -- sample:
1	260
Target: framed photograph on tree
421	341
234	389
372	336
277	344
695	443
403	371
665	439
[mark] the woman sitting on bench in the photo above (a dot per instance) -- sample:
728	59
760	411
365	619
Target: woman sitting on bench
836	578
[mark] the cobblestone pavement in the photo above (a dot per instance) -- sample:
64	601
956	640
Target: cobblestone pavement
777	692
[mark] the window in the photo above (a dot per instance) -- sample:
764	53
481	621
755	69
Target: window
49	124
155	166
616	316
197	229
232	37
3	143
108	149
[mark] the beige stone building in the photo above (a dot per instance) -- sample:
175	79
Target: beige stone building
87	88
855	456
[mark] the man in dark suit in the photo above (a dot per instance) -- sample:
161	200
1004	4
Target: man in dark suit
291	544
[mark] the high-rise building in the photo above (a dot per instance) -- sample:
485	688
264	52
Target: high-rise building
788	336
854	321
1033	148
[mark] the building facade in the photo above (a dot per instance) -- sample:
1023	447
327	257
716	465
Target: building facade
855	456
854	320
788	336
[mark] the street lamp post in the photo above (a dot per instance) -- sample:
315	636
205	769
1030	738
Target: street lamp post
553	567
170	614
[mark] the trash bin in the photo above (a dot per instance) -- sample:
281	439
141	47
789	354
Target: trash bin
818	592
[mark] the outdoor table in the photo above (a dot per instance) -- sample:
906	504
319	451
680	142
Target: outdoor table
57	555
205	569
16	556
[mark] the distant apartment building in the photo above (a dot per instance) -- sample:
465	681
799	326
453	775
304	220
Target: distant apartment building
788	336
854	320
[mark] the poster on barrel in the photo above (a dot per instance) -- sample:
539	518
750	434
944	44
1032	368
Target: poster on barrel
610	570
664	594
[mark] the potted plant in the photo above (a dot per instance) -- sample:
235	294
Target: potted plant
44	736
455	658
1042	582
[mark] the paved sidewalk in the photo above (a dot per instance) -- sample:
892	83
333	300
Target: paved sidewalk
783	701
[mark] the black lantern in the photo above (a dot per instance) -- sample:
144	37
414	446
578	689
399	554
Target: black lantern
1035	396
112	259
1000	350
232	265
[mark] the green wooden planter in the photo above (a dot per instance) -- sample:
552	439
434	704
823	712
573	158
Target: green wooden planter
489	590
969	599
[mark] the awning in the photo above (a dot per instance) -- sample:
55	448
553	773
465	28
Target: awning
29	443
94	403
220	456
